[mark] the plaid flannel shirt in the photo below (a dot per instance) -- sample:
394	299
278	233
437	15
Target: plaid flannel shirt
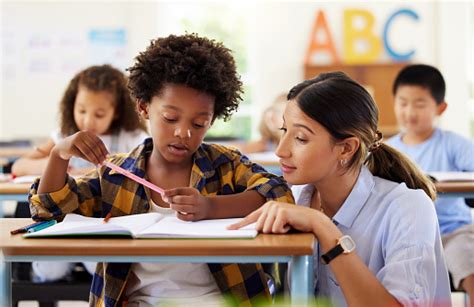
217	170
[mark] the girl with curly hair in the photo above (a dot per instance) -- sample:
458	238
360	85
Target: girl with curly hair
96	99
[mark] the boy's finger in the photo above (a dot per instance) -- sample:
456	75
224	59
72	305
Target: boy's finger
87	153
183	208
181	199
90	147
189	217
249	219
178	191
97	146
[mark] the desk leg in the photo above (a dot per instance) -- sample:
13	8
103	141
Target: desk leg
6	294
301	279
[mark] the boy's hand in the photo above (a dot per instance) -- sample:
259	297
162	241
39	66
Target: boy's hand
188	203
82	144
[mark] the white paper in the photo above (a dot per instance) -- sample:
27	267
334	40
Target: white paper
147	225
453	176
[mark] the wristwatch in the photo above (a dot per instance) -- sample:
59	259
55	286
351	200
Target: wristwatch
345	245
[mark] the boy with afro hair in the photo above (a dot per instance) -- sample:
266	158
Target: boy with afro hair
181	85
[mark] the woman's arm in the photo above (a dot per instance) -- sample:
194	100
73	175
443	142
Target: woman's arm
358	283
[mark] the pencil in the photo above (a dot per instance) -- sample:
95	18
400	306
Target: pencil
107	217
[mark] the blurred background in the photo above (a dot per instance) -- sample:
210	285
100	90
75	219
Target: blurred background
276	44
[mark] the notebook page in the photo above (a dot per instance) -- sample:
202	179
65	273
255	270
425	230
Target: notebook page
75	224
172	227
453	176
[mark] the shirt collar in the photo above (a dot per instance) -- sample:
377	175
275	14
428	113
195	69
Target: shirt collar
356	200
134	162
204	164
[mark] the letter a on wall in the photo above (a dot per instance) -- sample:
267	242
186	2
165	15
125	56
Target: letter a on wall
317	44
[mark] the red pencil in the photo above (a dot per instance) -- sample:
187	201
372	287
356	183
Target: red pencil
107	217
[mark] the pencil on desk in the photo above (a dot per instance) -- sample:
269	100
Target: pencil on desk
107	217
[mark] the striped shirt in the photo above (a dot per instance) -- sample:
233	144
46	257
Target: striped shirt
217	170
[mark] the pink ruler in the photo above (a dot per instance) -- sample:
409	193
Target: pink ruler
134	177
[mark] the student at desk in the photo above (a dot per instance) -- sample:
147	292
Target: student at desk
97	100
368	206
181	85
419	99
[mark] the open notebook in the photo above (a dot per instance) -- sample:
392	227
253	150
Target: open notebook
452	176
147	225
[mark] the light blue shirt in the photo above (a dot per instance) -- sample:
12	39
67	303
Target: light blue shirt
444	151
397	236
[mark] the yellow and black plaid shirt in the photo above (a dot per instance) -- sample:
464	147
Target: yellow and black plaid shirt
217	170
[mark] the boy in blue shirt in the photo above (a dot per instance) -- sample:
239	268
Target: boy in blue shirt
419	99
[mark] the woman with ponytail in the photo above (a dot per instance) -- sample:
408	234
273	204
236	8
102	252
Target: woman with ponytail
369	207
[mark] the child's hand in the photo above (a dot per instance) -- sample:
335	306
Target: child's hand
82	144
188	203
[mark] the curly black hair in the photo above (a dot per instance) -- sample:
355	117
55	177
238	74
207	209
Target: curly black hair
100	78
196	62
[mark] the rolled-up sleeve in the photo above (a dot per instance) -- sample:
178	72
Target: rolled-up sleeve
80	195
254	177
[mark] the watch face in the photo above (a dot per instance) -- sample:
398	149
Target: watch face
347	244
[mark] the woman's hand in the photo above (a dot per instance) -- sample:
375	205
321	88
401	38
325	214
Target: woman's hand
82	144
188	203
275	217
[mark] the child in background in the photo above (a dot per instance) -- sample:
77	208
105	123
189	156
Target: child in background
96	100
378	239
181	84
269	128
419	99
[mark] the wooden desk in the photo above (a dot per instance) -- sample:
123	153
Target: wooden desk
13	191
10	188
296	249
14	152
463	189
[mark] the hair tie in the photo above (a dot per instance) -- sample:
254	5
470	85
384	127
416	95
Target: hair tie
377	141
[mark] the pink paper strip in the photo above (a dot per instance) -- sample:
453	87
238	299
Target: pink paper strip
120	170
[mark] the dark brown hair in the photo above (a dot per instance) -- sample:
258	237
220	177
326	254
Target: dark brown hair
346	109
196	62
100	78
426	76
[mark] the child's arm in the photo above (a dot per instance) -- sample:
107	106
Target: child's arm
55	193
33	163
82	144
192	206
244	187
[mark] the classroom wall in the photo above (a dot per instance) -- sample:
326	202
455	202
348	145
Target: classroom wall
443	38
278	42
45	43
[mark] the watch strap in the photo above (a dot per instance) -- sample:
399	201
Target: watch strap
332	253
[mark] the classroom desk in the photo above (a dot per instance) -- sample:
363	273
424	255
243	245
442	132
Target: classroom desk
463	189
14	152
296	249
13	191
